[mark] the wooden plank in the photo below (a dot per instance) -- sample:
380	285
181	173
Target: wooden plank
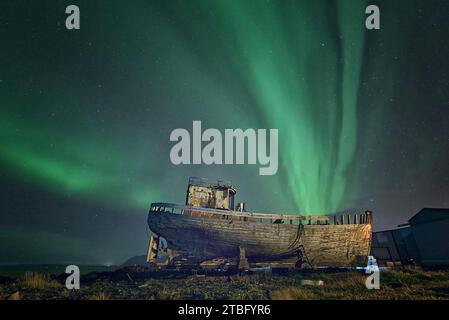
275	216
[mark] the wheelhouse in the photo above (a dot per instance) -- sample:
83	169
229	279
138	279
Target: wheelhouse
204	194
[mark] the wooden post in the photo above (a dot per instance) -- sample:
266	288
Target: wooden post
153	247
243	261
369	217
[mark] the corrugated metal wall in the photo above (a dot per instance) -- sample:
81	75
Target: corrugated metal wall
397	246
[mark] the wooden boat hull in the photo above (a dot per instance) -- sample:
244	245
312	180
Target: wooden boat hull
316	245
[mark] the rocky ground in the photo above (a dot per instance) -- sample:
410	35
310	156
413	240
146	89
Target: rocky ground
141	283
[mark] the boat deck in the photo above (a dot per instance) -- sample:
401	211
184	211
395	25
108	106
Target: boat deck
365	218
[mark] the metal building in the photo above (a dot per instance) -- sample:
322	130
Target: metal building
430	228
424	240
395	246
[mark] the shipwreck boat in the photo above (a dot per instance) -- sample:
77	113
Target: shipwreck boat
209	226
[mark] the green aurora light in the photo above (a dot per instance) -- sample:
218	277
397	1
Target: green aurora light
280	53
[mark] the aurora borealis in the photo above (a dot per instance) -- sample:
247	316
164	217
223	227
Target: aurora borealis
85	116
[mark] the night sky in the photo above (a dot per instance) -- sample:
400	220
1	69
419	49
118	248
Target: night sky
86	115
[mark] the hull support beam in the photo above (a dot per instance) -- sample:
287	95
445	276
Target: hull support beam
243	261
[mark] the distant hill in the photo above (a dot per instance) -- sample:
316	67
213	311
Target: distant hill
18	270
136	260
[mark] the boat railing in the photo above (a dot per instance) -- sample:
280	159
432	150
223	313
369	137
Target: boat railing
365	218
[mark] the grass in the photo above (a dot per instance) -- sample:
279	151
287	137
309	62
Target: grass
16	296
404	284
394	285
99	296
34	280
293	293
